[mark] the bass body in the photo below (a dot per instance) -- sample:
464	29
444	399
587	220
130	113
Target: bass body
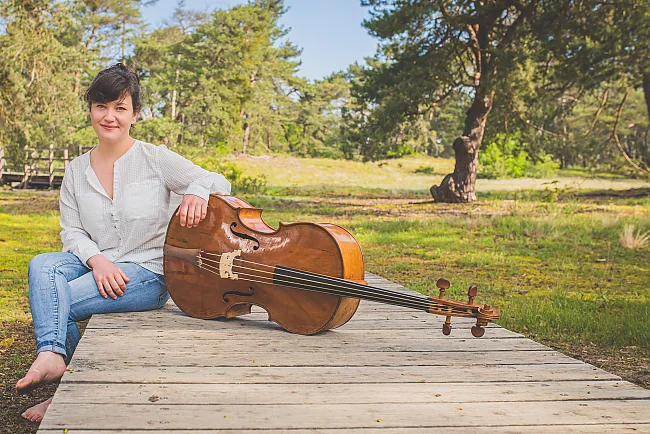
231	224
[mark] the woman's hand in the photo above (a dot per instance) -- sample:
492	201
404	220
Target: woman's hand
192	211
110	279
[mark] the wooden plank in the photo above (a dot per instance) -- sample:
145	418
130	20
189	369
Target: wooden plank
188	341
433	330
275	333
173	319
379	311
221	356
94	371
370	315
343	416
501	429
261	394
182	322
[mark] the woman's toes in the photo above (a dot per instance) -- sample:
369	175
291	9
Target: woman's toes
37	412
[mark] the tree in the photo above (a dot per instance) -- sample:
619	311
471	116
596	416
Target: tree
223	79
37	104
312	123
101	26
432	50
592	53
503	52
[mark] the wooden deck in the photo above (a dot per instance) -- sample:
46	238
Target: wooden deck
389	370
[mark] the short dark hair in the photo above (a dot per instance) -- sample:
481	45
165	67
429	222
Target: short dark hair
114	83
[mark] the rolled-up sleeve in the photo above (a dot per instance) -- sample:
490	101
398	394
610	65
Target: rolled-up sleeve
75	239
184	177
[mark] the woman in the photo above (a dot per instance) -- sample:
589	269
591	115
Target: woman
114	213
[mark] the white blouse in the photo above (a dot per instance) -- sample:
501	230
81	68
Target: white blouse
130	227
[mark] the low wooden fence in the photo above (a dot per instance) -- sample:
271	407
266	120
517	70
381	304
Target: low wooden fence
43	167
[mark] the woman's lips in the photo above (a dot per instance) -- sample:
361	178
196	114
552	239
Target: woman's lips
109	127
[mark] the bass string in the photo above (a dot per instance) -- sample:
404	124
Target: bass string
416	303
419	303
335	282
332	282
280	283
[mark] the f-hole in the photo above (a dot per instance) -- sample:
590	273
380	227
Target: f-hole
241	294
243	235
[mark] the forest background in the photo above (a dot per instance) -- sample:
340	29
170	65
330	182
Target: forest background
558	92
499	90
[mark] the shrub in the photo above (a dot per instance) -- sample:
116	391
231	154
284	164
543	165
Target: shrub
425	170
240	183
85	136
631	240
544	168
504	157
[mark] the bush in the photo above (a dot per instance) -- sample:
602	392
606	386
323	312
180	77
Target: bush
425	170
240	183
504	157
85	136
544	168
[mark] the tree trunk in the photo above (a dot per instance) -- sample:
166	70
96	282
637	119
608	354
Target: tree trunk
646	91
247	131
77	82
182	133
458	187
123	39
173	104
178	61
645	151
77	74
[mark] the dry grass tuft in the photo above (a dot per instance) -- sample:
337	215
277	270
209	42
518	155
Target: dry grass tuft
631	240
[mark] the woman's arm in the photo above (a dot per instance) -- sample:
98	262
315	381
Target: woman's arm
195	183
110	279
74	237
184	177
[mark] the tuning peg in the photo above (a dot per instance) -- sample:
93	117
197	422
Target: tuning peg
477	331
446	327
471	293
442	285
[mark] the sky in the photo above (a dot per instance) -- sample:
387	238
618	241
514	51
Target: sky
328	31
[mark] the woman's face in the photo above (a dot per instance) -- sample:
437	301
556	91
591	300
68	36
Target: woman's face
112	120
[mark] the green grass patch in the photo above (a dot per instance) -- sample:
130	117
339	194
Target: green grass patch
550	260
22	237
575	319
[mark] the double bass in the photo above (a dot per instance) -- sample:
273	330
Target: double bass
308	277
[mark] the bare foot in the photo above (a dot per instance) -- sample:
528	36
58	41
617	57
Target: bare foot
47	368
36	413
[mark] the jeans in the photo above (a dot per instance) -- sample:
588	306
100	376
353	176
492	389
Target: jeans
62	290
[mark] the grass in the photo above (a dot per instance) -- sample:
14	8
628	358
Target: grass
29	225
547	256
401	175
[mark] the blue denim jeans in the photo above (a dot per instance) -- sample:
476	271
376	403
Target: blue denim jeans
62	290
